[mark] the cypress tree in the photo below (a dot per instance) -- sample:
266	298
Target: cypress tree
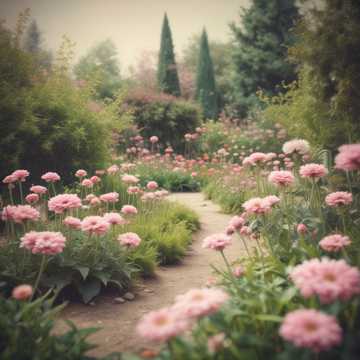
205	80
260	51
167	75
33	40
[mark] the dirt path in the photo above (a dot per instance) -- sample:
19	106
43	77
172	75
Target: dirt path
118	321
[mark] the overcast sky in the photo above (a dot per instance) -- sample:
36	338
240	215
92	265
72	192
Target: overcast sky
133	25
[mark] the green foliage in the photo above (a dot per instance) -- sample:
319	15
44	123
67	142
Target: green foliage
260	49
167	75
162	115
100	68
206	93
27	333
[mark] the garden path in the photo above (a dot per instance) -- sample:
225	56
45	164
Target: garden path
118	321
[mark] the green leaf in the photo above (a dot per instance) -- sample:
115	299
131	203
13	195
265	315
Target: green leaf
103	276
83	270
89	289
268	317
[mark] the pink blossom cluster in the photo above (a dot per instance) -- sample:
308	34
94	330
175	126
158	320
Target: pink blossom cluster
311	329
19	213
114	218
152	185
260	205
281	178
22	292
298	146
63	202
255	158
348	158
51	177
334	242
38	189
43	242
129	210
329	279
339	198
216	242
18	175
129	239
95	225
313	171
81	173
111	197
72	222
130	179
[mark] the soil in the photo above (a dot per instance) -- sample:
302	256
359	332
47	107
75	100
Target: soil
118	321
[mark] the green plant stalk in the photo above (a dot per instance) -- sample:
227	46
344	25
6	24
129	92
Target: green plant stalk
38	278
245	245
11	194
21	192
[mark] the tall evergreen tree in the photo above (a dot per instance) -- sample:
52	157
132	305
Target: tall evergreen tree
260	52
205	80
33	40
167	75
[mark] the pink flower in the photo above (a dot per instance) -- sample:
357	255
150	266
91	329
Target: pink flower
230	230
334	243
80	173
37	189
95	179
255	159
63	202
200	302
133	190
129	210
129	239
256	206
95	225
238	271
161	325
114	218
22	292
9	179
281	178
237	222
95	201
216	242
152	185
72	222
301	229
329	279
296	146
20	213
20	175
311	329
348	158
111	197
130	179
215	343
87	183
314	171
271	200
154	139
339	198
113	169
43	242
245	231
32	198
51	177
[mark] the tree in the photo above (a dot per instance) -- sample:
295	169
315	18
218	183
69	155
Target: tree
167	75
260	50
100	65
205	80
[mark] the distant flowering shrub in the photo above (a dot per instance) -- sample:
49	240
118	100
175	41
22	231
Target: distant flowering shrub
311	329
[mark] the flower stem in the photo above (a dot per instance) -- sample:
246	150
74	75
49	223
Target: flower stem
38	278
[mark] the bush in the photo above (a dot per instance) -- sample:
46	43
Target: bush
162	115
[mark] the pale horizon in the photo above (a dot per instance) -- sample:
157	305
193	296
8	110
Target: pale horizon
134	26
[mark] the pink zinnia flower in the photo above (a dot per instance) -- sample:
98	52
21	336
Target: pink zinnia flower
161	325
245	231
152	185
95	225
22	292
154	139
51	177
129	210
348	158
133	190
296	146
72	222
20	213
20	175
130	179
9	179
129	239
63	202
80	173
256	206
95	179
215	343
87	183
329	279
114	218
216	242
38	189
237	222
339	198
32	198
111	197
95	201
334	243
113	169
271	200
43	242
255	159
281	178
314	171
200	302
301	229
311	329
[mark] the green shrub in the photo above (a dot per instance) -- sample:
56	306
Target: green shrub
162	115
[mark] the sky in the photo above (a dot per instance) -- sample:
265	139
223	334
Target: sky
133	25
